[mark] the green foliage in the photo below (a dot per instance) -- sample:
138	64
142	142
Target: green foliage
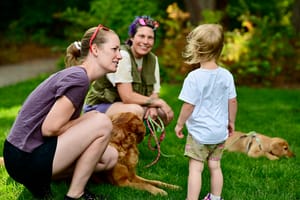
257	53
212	16
176	27
261	45
112	13
36	20
244	177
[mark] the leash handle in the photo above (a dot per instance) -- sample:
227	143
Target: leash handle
155	127
153	134
159	125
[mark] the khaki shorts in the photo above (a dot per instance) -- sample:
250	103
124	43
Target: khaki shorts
203	152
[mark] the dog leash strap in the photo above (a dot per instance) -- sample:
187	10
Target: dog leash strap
155	127
152	132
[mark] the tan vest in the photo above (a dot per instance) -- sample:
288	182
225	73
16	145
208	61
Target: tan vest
102	91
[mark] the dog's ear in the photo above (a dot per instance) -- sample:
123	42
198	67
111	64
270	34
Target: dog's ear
118	135
120	118
136	126
127	123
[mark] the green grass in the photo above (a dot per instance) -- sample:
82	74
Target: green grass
274	112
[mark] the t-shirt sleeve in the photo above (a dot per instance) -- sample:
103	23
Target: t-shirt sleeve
188	92
123	73
156	86
232	90
74	86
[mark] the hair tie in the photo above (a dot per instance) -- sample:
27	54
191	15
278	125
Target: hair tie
142	21
77	45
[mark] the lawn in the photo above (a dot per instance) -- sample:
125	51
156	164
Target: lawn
273	112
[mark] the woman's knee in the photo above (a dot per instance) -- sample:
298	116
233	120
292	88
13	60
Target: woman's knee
108	160
137	109
100	122
121	107
113	157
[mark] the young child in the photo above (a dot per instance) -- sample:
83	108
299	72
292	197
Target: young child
209	109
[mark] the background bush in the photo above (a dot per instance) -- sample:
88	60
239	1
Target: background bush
262	45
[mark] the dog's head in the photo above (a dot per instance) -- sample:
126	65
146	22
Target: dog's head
126	125
280	148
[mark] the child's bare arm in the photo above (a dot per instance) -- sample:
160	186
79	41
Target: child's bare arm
232	110
186	111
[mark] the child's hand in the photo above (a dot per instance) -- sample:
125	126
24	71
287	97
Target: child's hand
178	131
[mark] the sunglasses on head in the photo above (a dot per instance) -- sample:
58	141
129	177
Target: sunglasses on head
100	26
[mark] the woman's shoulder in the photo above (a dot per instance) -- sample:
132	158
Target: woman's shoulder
73	74
124	53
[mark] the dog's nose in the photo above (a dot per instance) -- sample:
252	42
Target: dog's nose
291	154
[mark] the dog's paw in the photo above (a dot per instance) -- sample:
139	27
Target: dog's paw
176	187
170	186
173	187
160	192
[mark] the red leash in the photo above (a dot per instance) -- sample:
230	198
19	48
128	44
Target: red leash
151	126
155	127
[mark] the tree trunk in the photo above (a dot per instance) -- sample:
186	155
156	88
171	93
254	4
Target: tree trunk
296	16
195	7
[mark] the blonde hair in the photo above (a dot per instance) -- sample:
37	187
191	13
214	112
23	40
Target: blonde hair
204	43
75	55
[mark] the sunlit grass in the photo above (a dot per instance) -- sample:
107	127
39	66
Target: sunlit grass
274	112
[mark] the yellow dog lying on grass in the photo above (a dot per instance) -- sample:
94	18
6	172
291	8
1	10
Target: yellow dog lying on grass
256	145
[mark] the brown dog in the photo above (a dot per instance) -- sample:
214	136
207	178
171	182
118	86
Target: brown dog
257	145
128	131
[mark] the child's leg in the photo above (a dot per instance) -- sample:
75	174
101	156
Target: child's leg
194	179
216	177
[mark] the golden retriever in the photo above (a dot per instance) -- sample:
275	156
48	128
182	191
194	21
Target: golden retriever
128	131
256	145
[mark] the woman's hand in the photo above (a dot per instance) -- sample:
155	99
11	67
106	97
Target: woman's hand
165	108
152	112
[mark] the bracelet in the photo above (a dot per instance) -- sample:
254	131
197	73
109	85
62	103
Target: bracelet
149	102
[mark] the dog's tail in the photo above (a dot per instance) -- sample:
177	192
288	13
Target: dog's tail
1	161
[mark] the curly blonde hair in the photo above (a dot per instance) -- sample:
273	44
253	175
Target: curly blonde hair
204	43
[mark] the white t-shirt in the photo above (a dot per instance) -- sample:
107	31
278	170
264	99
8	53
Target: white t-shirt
124	75
209	91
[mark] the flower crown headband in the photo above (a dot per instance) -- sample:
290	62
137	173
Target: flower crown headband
142	21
